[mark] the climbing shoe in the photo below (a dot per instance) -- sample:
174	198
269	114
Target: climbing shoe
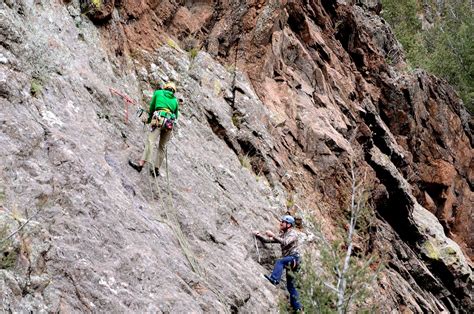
273	281
135	166
154	173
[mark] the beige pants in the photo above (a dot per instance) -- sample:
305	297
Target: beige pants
165	135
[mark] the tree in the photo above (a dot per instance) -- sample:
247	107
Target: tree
444	46
339	278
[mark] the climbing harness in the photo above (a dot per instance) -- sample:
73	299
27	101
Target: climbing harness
163	119
127	101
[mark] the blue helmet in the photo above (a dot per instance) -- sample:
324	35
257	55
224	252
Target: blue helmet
288	219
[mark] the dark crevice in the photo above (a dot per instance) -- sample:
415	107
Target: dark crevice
239	303
310	169
322	52
409	102
296	20
380	140
89	89
221	185
329	6
333	147
219	130
236	89
420	82
247	147
347	37
358	57
397	206
440	142
215	240
435	191
449	282
344	35
256	158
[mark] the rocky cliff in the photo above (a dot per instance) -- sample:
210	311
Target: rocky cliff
278	96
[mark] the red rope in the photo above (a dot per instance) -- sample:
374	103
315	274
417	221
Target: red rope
127	100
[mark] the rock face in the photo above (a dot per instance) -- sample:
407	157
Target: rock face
277	97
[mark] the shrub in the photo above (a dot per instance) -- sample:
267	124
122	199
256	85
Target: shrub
245	162
36	88
237	120
193	52
170	42
8	253
88	6
97	3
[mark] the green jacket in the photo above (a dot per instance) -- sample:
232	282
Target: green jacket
163	99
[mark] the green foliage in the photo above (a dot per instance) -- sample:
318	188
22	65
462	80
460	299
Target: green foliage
3	195
445	46
88	6
97	3
315	297
284	305
193	52
230	68
217	88
404	14
36	87
290	202
245	162
318	282
340	275
237	120
8	254
170	42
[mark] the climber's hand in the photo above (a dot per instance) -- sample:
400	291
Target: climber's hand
269	234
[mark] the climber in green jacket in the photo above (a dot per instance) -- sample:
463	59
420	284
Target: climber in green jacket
163	113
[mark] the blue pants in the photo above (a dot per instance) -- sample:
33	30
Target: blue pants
280	264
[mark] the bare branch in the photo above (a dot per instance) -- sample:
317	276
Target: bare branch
330	287
19	229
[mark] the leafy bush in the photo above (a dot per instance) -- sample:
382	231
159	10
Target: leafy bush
35	88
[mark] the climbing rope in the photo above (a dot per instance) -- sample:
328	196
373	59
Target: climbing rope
171	217
171	220
256	246
174	225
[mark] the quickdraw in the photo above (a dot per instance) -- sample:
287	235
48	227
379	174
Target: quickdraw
140	112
